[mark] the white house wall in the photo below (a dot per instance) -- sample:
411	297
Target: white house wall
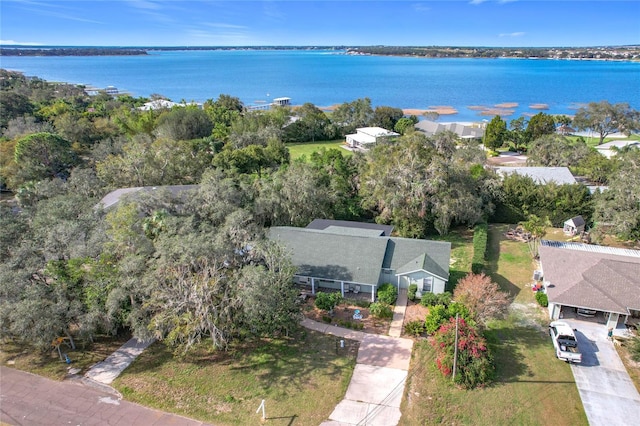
438	284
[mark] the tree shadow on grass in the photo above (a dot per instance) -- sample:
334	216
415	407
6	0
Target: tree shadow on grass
511	346
494	238
291	363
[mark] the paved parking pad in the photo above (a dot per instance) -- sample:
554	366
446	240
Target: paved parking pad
384	351
608	395
376	385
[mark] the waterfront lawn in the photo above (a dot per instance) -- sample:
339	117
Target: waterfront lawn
531	386
301	378
297	150
48	364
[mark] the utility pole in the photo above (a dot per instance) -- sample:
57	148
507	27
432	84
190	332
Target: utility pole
455	351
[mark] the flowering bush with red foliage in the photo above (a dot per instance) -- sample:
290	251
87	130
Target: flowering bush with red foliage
475	363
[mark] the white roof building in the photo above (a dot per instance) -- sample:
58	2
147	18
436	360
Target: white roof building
609	149
541	175
463	130
165	104
367	136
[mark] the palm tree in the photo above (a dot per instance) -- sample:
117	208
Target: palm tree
537	227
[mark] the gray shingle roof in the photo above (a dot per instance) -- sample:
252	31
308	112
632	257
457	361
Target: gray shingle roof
596	280
541	175
321	224
403	255
114	197
337	253
575	221
333	256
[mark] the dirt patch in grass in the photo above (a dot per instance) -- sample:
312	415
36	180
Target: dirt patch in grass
343	316
415	312
49	364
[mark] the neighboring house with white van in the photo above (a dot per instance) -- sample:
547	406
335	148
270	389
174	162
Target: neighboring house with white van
591	280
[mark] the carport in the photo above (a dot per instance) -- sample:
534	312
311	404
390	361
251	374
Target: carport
584	276
608	395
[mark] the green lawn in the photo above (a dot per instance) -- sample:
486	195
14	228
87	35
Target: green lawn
301	378
297	150
531	387
461	240
595	139
48	364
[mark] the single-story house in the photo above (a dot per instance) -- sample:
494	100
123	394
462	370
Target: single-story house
350	257
609	149
591	278
165	104
541	175
573	226
463	130
365	137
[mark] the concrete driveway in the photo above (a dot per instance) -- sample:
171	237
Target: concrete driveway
607	392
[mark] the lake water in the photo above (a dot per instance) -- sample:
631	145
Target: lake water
326	78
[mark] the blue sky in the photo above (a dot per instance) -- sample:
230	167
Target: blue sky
249	23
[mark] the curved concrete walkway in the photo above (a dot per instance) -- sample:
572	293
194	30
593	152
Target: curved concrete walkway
106	371
377	385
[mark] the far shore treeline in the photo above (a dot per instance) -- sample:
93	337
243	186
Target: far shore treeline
624	53
185	265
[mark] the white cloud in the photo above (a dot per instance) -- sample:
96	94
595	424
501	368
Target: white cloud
144	4
477	1
20	43
421	7
515	34
223	25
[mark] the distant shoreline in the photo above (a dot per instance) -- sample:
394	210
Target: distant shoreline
604	53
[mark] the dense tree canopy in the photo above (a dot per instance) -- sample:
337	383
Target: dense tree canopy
195	265
540	125
605	118
495	133
619	206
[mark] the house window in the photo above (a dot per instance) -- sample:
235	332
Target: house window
427	284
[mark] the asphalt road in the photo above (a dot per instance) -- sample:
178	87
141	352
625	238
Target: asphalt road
27	399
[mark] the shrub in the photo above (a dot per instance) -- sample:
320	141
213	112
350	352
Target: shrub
387	293
482	296
445	298
479	247
542	299
360	303
430	299
327	301
326	319
411	293
474	365
381	310
440	314
634	347
414	328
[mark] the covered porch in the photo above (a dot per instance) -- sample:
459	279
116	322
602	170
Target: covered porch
347	289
